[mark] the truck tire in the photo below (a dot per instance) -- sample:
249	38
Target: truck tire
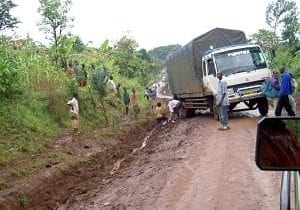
251	104
189	113
263	106
232	106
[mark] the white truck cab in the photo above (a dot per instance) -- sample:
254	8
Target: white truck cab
244	69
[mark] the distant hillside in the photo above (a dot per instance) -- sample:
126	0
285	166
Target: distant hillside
162	52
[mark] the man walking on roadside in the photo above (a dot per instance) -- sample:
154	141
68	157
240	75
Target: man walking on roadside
222	102
286	89
74	113
111	84
126	99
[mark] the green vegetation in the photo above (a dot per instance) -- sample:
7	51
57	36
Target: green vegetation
34	86
34	93
6	19
161	53
3	185
23	200
281	41
55	21
293	125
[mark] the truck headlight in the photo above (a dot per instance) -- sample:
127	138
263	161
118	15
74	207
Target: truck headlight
230	91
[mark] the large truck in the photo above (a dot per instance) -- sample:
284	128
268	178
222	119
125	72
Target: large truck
192	71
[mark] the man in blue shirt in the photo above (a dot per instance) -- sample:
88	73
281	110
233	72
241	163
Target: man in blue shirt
286	89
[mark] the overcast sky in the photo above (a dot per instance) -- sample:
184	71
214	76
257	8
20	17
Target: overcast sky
151	23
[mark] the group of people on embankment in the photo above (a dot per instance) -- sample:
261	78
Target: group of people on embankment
163	111
79	73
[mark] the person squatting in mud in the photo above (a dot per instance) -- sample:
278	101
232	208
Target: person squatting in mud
174	107
160	113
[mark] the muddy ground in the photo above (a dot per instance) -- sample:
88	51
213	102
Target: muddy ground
188	164
71	165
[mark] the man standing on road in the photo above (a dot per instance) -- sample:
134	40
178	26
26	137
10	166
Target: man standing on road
222	102
286	89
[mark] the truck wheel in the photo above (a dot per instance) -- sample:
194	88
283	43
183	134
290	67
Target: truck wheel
190	113
263	106
232	106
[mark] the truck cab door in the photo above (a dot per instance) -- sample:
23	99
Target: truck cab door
210	76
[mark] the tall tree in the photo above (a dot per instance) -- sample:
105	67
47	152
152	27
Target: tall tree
291	25
267	40
162	52
144	55
282	14
124	50
275	12
55	19
6	19
78	45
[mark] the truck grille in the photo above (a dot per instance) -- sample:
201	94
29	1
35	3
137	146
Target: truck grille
249	91
245	85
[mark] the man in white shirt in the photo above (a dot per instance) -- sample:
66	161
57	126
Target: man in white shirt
111	84
74	113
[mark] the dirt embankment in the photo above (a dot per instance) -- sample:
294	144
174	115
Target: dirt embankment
91	159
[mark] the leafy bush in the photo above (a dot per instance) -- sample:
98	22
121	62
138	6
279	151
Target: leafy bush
11	76
25	126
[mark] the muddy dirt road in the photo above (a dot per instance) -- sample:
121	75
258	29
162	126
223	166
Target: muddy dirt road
188	165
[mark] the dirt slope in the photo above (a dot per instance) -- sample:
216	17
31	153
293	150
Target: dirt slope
189	165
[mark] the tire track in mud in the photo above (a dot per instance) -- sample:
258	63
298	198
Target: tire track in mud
52	187
138	183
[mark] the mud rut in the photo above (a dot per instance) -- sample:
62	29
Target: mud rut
185	165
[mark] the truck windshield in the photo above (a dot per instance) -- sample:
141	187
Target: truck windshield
241	60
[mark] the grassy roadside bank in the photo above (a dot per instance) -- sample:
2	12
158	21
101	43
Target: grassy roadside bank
27	181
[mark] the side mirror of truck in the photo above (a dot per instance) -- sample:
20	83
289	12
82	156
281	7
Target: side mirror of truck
278	143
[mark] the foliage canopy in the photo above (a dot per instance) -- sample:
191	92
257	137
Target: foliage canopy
6	19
